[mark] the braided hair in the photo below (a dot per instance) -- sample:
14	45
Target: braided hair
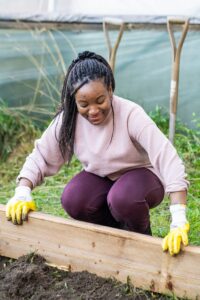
87	67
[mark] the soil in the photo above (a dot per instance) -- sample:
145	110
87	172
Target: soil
31	278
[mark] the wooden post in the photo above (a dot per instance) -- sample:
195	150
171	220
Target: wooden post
107	252
176	53
113	50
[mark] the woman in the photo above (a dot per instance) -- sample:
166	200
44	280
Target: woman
128	164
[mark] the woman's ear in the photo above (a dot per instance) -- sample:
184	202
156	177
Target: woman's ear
110	91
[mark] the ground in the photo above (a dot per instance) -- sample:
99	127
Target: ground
31	278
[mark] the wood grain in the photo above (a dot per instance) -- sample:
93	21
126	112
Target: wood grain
105	251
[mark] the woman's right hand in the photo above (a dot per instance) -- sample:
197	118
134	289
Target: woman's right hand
18	207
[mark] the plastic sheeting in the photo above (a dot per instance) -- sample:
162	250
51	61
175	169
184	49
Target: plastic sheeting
93	11
33	64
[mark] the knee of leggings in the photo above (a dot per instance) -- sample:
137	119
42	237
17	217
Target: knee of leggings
123	207
117	203
73	205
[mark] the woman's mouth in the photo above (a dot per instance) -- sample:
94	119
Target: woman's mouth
95	119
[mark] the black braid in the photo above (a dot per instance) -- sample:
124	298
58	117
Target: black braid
86	67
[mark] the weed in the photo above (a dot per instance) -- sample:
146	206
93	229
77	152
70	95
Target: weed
45	54
15	129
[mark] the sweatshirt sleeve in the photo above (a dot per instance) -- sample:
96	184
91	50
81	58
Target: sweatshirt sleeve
162	154
46	158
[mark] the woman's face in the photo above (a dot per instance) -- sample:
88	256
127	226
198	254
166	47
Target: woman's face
93	101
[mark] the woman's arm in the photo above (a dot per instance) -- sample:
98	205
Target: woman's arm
46	158
166	161
162	154
178	197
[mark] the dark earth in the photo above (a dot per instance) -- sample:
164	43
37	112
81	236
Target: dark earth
31	278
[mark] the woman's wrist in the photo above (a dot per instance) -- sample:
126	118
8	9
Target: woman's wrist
179	197
25	182
178	214
178	209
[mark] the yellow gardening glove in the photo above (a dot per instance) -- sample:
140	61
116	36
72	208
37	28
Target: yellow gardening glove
179	229
18	207
177	236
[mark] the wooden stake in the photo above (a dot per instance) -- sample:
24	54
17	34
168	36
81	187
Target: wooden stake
176	53
113	50
105	251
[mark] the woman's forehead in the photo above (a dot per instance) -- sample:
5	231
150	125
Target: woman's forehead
92	88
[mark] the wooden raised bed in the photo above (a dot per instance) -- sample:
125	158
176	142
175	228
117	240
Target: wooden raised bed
105	251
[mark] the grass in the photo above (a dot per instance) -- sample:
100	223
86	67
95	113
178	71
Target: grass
47	196
15	131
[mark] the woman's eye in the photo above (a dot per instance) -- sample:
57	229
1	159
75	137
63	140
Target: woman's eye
100	101
83	105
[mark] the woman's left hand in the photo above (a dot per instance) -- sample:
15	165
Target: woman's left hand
179	229
175	238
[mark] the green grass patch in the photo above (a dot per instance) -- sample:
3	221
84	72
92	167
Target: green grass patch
47	196
15	130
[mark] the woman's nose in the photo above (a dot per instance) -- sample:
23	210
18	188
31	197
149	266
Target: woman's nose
93	110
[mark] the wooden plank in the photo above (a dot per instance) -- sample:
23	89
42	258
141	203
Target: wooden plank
104	251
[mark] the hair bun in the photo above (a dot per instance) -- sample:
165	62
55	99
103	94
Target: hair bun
86	54
90	55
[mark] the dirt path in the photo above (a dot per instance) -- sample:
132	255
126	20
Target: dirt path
30	278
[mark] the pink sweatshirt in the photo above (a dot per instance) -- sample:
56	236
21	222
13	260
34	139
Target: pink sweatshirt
130	140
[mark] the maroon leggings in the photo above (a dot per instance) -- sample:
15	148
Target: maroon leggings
123	203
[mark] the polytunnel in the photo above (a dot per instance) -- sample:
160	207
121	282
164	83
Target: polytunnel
40	38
